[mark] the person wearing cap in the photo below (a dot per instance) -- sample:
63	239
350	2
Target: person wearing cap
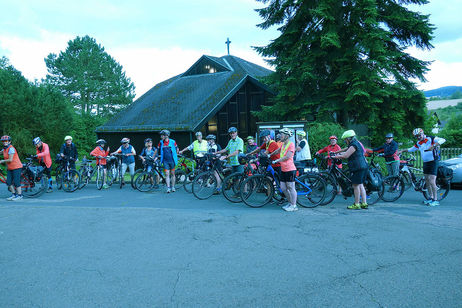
101	152
70	150
288	169
199	147
357	164
390	153
302	150
429	151
168	150
233	149
250	145
14	167
333	147
270	147
128	157
212	147
44	159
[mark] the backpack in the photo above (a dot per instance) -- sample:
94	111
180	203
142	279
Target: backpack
444	175
436	151
374	179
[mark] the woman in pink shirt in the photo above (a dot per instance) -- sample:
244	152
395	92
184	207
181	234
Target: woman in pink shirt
288	170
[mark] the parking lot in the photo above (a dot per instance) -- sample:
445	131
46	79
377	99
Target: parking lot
122	248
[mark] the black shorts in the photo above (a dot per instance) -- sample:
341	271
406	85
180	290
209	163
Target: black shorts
277	171
358	176
13	177
430	167
288	176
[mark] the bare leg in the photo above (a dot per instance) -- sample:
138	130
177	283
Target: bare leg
167	178
362	191
292	192
285	191
172	174
357	192
431	182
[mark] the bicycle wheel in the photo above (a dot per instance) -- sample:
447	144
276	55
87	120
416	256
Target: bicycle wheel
180	178
99	178
204	185
31	189
374	195
70	181
231	187
311	190
407	180
257	190
393	188
58	177
145	181
138	171
111	175
331	188
442	190
187	185
85	177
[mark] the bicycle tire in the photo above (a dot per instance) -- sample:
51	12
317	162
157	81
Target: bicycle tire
257	191
70	181
407	180
31	189
231	187
137	171
313	182
145	181
99	178
187	185
180	178
85	177
58	177
442	190
204	185
393	189
331	188
373	196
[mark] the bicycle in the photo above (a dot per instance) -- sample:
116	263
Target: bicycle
258	190
114	169
33	181
2	176
67	178
145	180
87	171
232	183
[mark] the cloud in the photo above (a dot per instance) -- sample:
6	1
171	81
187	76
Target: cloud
442	74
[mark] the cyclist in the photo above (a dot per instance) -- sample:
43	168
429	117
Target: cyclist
128	157
168	150
198	147
333	147
390	152
44	159
70	150
270	146
149	151
101	153
302	150
234	148
251	145
429	151
212	147
14	167
358	166
288	170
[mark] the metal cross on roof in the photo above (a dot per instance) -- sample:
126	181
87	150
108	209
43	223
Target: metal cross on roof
227	43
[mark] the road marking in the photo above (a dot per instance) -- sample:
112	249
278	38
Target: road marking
32	200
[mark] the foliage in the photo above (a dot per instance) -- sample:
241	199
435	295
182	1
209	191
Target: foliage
452	132
319	133
90	78
346	61
446	113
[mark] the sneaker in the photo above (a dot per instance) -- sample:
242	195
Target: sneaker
434	203
173	189
290	208
427	202
105	186
17	198
217	192
49	190
364	206
168	190
354	207
11	198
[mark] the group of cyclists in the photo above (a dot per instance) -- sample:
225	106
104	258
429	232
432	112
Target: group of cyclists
283	154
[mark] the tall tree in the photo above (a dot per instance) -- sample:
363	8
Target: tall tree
346	60
92	80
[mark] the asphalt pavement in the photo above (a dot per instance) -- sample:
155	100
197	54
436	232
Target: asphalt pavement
122	248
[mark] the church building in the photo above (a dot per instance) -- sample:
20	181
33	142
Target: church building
211	96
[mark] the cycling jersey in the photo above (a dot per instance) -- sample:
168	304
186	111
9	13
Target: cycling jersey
270	147
99	151
43	155
328	149
16	162
424	147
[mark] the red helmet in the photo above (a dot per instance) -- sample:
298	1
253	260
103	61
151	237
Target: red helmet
333	137
6	138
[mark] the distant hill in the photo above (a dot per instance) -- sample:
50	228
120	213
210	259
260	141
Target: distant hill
442	92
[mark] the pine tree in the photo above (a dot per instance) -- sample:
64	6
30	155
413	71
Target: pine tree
346	61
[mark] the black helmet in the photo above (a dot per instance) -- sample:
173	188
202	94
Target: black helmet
165	132
101	141
389	135
211	137
265	133
147	140
232	129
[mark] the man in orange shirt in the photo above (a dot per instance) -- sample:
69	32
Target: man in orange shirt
14	165
44	159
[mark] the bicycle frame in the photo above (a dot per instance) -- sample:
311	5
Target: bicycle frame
271	171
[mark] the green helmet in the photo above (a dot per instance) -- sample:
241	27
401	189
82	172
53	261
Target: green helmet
348	134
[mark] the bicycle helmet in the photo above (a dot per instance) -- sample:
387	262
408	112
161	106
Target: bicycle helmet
68	138
210	137
165	132
286	131
250	138
36	140
198	134
301	133
333	137
232	129
417	131
348	134
101	141
125	140
389	135
265	133
6	138
147	140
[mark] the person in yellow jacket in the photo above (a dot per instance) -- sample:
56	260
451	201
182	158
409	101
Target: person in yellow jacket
199	147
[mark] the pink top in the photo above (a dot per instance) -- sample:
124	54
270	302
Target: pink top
288	150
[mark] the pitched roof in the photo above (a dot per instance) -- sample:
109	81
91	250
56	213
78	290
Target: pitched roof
185	102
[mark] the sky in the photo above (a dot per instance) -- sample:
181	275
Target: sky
155	40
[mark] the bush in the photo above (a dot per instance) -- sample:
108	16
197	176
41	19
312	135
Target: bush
319	133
